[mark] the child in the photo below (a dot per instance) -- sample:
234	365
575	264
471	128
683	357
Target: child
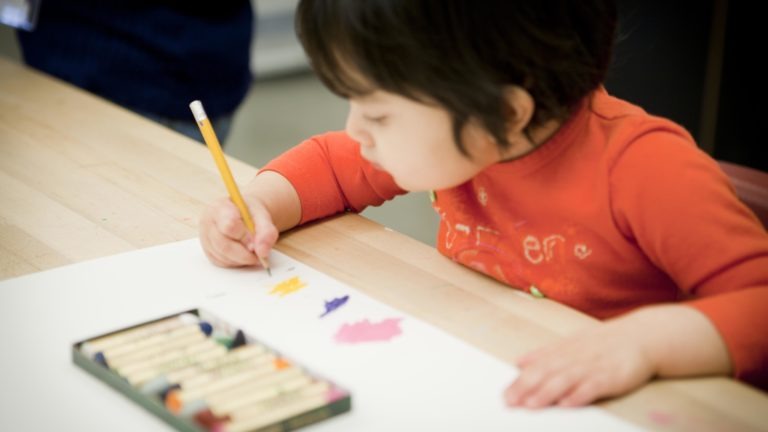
542	180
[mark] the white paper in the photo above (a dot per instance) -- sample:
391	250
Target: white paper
421	379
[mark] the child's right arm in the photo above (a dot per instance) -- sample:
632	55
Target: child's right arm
274	206
322	176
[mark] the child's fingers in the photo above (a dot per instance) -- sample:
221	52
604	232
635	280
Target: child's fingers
265	237
228	220
545	376
224	236
234	254
525	384
582	394
224	251
553	388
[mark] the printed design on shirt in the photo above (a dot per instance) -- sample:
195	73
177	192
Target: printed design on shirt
582	251
450	231
464	229
482	237
487	237
518	251
482	196
536	251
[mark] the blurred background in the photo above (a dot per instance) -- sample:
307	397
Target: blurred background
686	60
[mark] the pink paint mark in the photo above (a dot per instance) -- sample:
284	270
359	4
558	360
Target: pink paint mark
366	331
661	418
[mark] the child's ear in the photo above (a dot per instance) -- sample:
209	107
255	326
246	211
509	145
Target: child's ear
520	105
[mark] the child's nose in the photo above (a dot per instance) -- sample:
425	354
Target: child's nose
356	130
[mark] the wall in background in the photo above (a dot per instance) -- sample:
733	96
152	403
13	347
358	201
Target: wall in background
694	61
276	50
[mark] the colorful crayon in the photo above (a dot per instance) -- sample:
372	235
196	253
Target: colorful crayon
92	346
210	376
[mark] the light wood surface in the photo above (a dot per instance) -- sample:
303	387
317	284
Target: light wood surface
81	178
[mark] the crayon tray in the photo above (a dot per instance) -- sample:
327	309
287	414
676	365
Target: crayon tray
198	373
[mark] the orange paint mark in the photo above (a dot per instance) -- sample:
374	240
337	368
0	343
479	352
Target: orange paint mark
288	286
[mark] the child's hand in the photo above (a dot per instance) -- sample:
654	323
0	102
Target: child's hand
620	355
226	240
603	361
274	206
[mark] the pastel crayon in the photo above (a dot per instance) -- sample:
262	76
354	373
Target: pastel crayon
208	420
255	363
137	333
100	359
215	377
309	398
154	376
152	380
154	354
178	356
218	402
157	340
224	405
238	340
192	391
200	379
247	388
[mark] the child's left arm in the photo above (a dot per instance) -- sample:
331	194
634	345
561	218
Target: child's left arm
619	356
675	204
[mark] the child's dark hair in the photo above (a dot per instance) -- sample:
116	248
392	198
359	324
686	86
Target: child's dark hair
461	54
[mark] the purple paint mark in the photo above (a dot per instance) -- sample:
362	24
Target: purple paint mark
366	331
334	304
661	418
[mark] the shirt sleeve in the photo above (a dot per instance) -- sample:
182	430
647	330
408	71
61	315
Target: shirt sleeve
679	207
331	177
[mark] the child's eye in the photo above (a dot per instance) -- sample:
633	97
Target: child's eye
376	119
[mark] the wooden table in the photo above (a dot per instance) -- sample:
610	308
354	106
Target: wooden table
82	178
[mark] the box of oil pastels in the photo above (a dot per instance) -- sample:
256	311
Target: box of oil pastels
198	373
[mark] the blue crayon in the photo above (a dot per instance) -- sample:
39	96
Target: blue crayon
334	304
100	359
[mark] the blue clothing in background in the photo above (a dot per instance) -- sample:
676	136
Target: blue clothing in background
151	56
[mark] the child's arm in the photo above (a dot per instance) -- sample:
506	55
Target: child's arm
322	176
274	207
619	356
673	201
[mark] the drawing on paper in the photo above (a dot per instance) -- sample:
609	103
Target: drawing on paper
288	286
334	304
366	331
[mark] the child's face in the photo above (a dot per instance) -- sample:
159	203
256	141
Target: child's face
414	142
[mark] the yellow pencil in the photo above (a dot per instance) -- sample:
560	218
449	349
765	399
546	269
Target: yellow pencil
234	193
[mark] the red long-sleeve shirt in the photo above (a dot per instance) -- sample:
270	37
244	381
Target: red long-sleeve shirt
619	209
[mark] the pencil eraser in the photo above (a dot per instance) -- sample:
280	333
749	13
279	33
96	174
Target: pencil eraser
197	110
